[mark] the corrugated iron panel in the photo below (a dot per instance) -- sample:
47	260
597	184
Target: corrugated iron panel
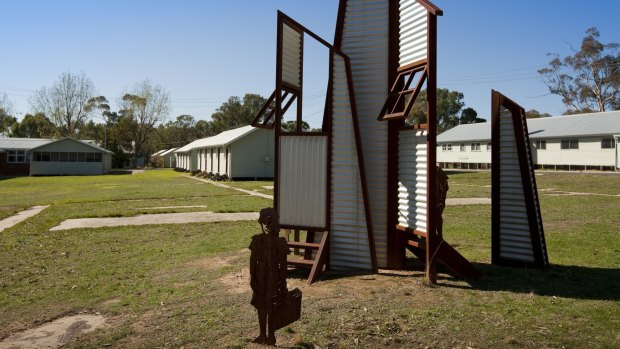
303	181
365	39
291	55
349	235
412	183
514	238
413	31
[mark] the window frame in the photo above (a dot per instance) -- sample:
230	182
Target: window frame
612	143
569	144
475	146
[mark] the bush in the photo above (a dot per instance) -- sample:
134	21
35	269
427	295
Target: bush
156	162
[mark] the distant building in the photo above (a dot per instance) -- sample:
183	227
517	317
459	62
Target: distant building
569	142
170	160
36	156
245	152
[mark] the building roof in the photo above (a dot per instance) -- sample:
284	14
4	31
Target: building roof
159	153
578	125
168	152
219	140
75	140
23	143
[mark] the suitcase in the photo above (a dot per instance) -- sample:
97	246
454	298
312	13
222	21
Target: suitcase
285	310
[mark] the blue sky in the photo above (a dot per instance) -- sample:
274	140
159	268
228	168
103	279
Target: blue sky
202	52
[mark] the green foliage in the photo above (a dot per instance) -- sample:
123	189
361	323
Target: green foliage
588	80
291	126
236	112
6	119
535	114
34	126
470	116
449	110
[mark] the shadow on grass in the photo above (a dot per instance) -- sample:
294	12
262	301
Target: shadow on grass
567	281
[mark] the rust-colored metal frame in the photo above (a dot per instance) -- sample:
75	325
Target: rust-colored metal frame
528	181
278	111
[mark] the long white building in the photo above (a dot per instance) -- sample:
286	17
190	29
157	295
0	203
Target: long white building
568	142
244	152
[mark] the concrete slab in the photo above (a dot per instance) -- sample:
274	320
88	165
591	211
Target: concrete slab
20	217
54	334
162	218
249	192
467	201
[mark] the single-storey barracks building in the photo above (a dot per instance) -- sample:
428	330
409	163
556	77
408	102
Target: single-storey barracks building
245	152
569	142
40	157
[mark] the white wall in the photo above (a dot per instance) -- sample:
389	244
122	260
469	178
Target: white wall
253	155
467	156
69	168
589	153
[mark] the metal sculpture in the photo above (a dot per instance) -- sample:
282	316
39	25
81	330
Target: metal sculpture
369	185
275	305
518	237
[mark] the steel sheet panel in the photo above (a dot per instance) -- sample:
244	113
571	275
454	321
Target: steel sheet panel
349	234
413	32
303	181
291	55
365	39
412	179
513	220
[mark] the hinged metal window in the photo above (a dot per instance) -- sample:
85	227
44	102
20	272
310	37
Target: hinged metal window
403	92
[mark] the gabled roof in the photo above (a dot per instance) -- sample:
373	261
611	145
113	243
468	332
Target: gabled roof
168	152
23	143
578	125
75	140
221	139
159	153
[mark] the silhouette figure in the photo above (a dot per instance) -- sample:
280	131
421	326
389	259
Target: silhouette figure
267	273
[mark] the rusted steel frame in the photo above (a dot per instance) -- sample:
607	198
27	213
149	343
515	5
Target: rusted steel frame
495	179
401	93
396	240
360	160
434	239
536	233
413	66
278	111
430	7
297	26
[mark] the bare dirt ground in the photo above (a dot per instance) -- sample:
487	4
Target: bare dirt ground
56	333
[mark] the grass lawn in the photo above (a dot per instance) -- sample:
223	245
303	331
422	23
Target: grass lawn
187	285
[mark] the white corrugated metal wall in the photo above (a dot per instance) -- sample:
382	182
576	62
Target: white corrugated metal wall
303	181
291	55
365	39
412	184
514	237
350	247
413	32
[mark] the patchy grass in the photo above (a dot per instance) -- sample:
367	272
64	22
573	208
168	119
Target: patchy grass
187	285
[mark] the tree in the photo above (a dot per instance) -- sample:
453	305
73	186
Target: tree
470	116
6	118
101	107
589	80
449	106
291	126
236	113
34	126
64	102
535	114
147	105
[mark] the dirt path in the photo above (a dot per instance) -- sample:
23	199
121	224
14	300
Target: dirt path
249	192
163	218
54	334
20	217
467	201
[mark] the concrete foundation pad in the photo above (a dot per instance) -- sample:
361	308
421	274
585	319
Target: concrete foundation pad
54	334
467	201
163	218
20	217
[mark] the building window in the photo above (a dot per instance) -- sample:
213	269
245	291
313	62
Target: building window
475	147
488	146
570	144
462	146
446	147
541	145
66	157
17	156
608	143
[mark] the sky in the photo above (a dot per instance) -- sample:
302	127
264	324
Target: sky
203	52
